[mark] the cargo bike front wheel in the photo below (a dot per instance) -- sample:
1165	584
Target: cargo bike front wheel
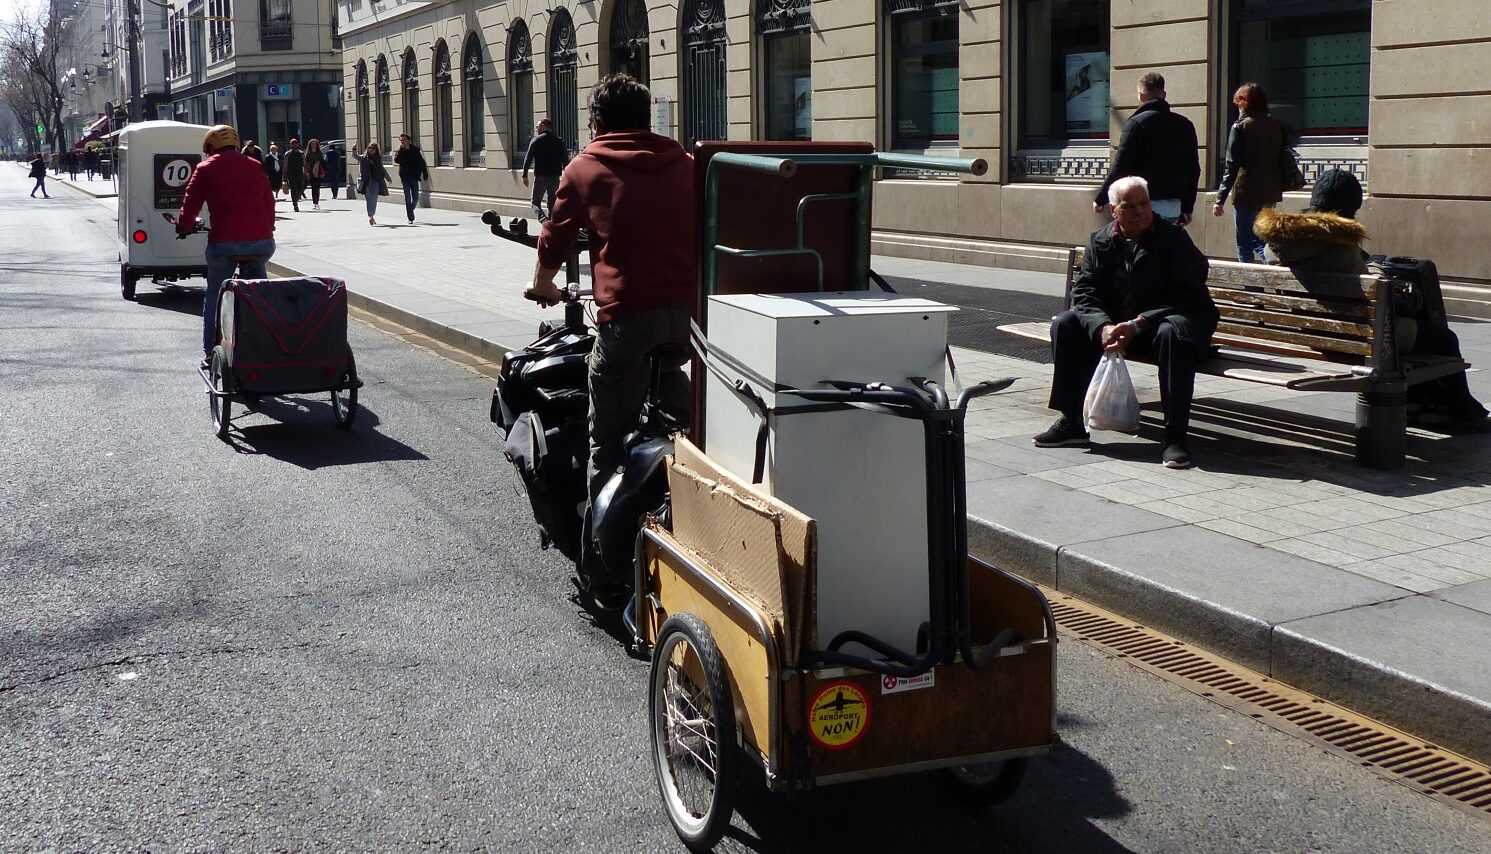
693	731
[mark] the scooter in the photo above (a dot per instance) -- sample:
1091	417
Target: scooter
540	407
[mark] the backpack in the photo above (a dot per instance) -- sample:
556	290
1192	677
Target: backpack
547	376
1291	176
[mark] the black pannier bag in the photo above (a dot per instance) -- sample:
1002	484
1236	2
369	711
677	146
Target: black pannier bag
547	376
285	336
551	463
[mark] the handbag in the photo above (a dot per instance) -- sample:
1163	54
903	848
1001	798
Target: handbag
1290	175
362	186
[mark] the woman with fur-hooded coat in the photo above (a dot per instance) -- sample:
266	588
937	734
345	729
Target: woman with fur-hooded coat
1313	240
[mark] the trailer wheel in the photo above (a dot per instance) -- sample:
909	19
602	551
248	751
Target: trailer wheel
693	731
344	400
987	783
219	403
126	282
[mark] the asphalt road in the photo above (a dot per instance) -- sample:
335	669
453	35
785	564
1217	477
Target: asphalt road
307	639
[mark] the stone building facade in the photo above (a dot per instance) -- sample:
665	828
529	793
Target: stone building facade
1390	89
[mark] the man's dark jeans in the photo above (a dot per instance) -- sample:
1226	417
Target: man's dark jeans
411	197
1077	354
544	186
619	374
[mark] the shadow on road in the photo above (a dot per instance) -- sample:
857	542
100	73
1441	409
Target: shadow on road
303	433
186	299
1053	810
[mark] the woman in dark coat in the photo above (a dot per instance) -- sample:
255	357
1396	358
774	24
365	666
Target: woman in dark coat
1253	174
272	169
315	171
39	172
374	180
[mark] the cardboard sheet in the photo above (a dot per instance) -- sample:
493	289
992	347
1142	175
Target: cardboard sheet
760	546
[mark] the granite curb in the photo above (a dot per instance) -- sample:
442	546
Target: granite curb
1263	638
1272	647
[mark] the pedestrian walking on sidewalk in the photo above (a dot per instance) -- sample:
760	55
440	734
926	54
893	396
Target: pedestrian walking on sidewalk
315	171
1254	173
272	170
252	149
90	162
547	155
336	167
1158	145
71	159
293	164
374	180
39	172
412	170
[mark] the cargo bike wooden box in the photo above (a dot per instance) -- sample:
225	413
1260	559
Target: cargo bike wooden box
750	670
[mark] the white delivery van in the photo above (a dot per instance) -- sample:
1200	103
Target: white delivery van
155	161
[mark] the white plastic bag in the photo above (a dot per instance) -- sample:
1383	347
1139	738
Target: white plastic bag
1111	403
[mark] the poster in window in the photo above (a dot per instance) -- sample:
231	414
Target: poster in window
802	107
1087	94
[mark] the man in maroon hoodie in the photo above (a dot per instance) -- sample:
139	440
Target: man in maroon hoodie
633	192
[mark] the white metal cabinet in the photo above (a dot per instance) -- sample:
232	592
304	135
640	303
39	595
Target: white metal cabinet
861	475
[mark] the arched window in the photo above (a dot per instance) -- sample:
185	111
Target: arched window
629	36
564	62
411	95
473	71
519	91
785	28
703	38
385	107
445	122
362	104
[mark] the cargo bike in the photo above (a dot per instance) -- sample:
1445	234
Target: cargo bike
797	627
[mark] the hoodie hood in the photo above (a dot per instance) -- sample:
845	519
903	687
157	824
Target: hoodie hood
1278	226
635	151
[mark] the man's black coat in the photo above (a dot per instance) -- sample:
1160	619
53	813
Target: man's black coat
1167	282
1159	146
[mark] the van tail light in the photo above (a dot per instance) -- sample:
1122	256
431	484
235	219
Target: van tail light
140	236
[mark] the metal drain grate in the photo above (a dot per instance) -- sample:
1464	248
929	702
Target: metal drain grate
1425	768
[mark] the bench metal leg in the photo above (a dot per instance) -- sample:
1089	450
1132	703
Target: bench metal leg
1382	427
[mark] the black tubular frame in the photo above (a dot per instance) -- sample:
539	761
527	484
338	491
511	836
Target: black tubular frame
948	632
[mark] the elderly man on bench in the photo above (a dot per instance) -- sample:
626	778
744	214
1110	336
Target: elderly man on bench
1142	291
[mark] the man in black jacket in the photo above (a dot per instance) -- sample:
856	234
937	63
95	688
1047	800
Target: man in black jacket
412	170
1142	289
1159	146
547	156
294	168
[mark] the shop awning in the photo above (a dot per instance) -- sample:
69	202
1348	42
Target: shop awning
95	130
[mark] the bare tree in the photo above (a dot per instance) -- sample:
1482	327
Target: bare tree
34	44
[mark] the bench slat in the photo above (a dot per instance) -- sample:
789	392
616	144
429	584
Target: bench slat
1355	309
1299	339
1287	320
1338	285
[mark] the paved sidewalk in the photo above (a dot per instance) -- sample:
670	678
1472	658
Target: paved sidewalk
97	187
1370	588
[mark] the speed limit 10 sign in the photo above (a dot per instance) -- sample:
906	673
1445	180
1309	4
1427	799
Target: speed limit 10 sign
172	171
175	173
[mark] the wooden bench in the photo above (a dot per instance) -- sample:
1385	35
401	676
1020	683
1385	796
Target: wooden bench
1311	331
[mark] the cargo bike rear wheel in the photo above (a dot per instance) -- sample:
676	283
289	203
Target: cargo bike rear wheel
344	399
693	731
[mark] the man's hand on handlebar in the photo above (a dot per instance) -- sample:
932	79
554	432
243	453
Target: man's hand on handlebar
543	290
546	295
